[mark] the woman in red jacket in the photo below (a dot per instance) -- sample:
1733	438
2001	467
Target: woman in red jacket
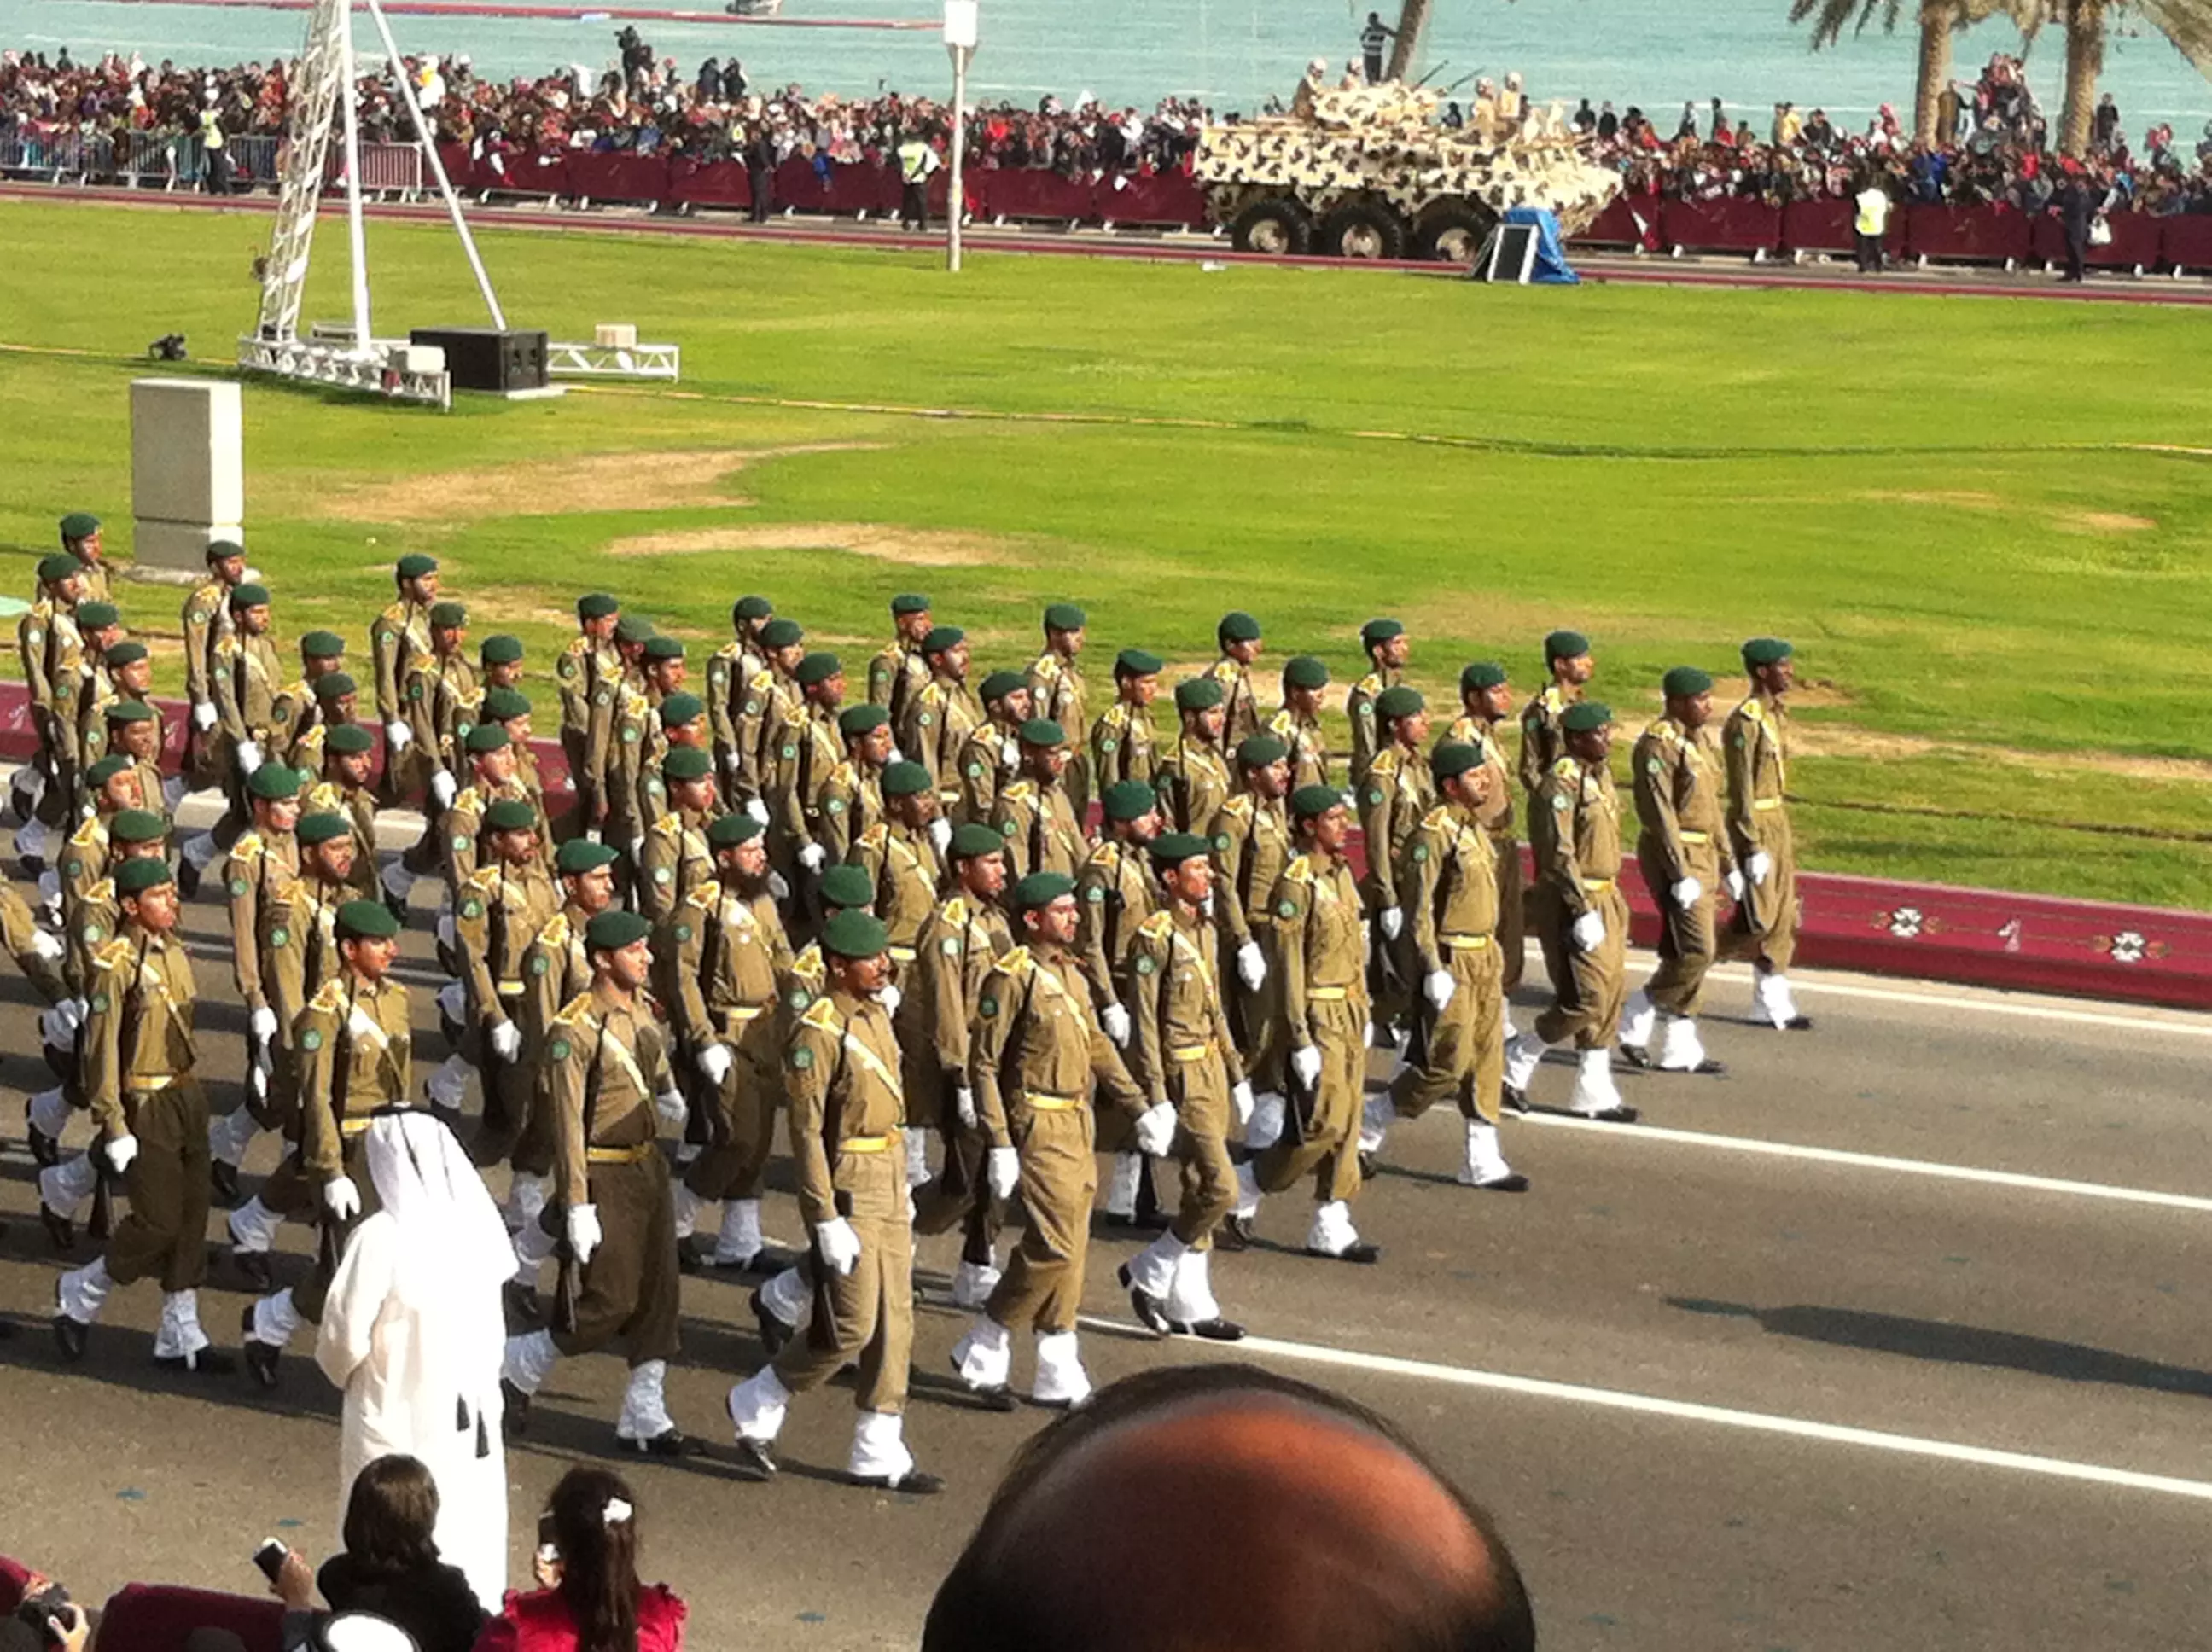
592	1600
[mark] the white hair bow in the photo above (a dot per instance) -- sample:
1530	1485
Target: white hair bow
617	1511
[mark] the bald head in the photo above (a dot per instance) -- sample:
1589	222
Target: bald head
1220	1507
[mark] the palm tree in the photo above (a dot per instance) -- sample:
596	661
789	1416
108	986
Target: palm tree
1413	21
1939	21
2187	23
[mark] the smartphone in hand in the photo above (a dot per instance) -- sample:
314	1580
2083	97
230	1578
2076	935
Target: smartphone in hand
270	1556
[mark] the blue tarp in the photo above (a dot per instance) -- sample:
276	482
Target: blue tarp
1550	269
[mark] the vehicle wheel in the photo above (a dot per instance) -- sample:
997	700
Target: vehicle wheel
1455	235
1358	230
1277	226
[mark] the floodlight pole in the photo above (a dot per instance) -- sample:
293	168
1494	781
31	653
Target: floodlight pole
960	34
357	238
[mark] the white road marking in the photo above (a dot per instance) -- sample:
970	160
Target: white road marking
1881	1161
1688	1411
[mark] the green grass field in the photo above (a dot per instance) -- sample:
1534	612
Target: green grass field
1985	522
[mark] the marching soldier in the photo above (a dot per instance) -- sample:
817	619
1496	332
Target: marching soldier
1448	881
207	623
264	865
1037	1057
1238	634
771	698
1324	1008
1121	742
1683	851
499	662
676	858
101	629
963	936
349	758
729	669
609	1086
803	755
1195	779
1393	798
439	699
841	1072
356	1050
1581	916
898	672
396	637
1543	740
246	683
853	796
654	670
1252	848
151	1115
899	854
1059	694
52	651
589	671
682	724
133	730
844	888
1757	745
510	709
80	539
126	676
1486	701
1183	1055
1034	816
993	755
491	775
1387	648
1297	725
1115	893
942	713
496	915
313	705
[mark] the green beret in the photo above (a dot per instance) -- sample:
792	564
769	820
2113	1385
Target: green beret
129	711
634	627
448	616
366	921
781	634
80	524
1765	650
1135	662
943	638
220	551
1566	645
148	871
855	720
504	705
613	929
501	649
733	830
1401	701
348	739
1585	715
580	854
334	685
1482	675
909	602
1305	672
1173	848
105	770
320	828
1197	694
1451	760
486	737
510	815
1260	750
95	616
1128	800
414	566
1686	681
273	782
847	885
322	645
137	826
973	840
1041	888
855	935
1063	616
1309	801
58	567
681	708
661	646
904	779
1044	731
596	605
751	608
817	668
998	684
119	654
1237	626
249	595
1378	631
687	762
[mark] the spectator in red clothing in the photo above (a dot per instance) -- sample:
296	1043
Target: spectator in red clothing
591	1600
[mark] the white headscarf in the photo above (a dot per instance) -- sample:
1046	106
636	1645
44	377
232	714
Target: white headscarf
453	1248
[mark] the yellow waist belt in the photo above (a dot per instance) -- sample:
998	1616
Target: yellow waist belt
1043	1101
1696	837
1596	885
1191	1052
1465	943
151	1083
882	1143
508	988
740	1014
901	953
636	1155
1328	994
1766	803
348	1128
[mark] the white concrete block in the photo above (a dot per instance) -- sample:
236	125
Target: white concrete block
187	451
614	335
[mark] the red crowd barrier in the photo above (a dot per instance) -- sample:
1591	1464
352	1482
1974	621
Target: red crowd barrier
1626	221
1984	233
709	183
615	176
1034	192
2137	240
1822	226
1173	199
2185	240
1727	225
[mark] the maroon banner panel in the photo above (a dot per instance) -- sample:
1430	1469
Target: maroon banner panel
613	176
1985	233
2136	240
1726	225
2185	240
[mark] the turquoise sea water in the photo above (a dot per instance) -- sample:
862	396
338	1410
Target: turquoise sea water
1231	53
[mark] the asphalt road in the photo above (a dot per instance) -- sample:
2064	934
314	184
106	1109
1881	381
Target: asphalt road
1717	1398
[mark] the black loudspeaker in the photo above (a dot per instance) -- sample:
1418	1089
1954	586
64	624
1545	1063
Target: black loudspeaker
485	358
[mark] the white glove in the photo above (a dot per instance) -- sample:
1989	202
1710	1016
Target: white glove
940	834
1240	1099
1734	884
758	809
203	715
672	1106
963	1104
777	887
584	1235
1688	892
713	1061
507	1041
1115	1020
398	735
1306	1063
172	793
890	998
46	946
811	855
1250	965
249	756
1156	1128
1390	920
120	1152
263	1022
341	1198
1439	987
1590	931
1760	865
839	1244
443	789
1005	1170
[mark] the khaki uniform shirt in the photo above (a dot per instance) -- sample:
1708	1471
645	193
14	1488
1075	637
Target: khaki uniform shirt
1397	793
1448	881
1321	944
728	960
729	668
1057	690
206	622
137	1024
1121	747
940	718
907	872
356	1054
1253	846
959	942
804	754
676	859
261	871
1367	738
1498	818
555	968
1039	825
1114	893
852	802
495	915
991	759
841	1073
1241	716
1677	800
1574	826
1037	1042
1309	751
1196	783
396	637
1543	742
358	804
895	675
604	1063
1178	1018
1757	745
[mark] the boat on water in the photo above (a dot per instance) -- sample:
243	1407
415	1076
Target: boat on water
753	7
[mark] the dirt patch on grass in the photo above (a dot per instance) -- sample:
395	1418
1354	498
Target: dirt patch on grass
2100	522
1959	499
2065	520
915	547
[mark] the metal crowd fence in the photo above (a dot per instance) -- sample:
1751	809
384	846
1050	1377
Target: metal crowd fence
156	160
